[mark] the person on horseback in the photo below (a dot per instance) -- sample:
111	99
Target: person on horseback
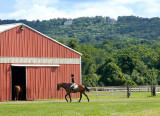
73	82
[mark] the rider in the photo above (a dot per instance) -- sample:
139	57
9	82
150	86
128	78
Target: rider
73	82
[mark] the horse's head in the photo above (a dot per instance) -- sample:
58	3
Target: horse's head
58	86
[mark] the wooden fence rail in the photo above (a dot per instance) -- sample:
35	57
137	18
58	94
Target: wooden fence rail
120	90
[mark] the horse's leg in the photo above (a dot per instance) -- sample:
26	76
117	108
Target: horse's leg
86	96
18	98
17	95
70	97
66	97
80	97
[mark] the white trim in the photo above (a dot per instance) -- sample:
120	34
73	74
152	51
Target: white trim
51	86
11	82
39	60
19	24
81	70
34	65
26	81
6	27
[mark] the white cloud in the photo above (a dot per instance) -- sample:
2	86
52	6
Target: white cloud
111	9
48	9
152	8
37	12
33	10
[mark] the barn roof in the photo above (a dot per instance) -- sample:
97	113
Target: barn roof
7	27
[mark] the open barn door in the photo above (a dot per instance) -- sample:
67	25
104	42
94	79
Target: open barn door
19	78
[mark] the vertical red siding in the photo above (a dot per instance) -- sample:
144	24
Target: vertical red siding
28	43
5	82
28	84
42	82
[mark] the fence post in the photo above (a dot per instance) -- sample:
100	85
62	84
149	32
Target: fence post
112	91
127	91
153	90
96	91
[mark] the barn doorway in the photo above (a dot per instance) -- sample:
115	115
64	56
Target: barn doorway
19	78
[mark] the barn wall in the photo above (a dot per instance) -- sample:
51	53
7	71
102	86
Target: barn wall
28	46
42	82
28	43
5	82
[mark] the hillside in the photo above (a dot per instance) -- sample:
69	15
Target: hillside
89	30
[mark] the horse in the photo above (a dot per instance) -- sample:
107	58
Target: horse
80	88
18	90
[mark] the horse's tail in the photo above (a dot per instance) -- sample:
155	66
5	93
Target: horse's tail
87	89
17	89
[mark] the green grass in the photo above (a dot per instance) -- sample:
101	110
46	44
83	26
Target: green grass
134	95
105	108
145	106
92	96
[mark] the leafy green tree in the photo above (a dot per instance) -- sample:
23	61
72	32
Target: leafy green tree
126	63
73	43
111	74
88	66
137	78
152	76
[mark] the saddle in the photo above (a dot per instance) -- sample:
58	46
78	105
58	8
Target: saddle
74	86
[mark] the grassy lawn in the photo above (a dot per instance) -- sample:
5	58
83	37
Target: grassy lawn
134	95
103	108
104	96
146	107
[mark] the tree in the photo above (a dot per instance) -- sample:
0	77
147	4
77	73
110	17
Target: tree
126	63
88	66
137	78
152	76
112	74
73	43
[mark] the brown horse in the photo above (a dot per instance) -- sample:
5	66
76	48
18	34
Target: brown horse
66	86
18	90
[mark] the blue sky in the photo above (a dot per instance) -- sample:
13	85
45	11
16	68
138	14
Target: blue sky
49	9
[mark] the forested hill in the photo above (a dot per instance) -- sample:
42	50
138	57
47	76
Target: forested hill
125	51
89	30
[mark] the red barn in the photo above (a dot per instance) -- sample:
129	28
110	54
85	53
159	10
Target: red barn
36	62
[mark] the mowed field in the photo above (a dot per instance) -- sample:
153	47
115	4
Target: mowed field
99	106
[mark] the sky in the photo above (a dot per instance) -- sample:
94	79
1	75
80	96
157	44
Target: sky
49	9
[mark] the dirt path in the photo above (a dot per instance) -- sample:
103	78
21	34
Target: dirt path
62	101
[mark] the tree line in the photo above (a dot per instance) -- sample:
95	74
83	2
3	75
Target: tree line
133	62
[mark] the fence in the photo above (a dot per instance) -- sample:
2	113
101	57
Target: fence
122	91
108	91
